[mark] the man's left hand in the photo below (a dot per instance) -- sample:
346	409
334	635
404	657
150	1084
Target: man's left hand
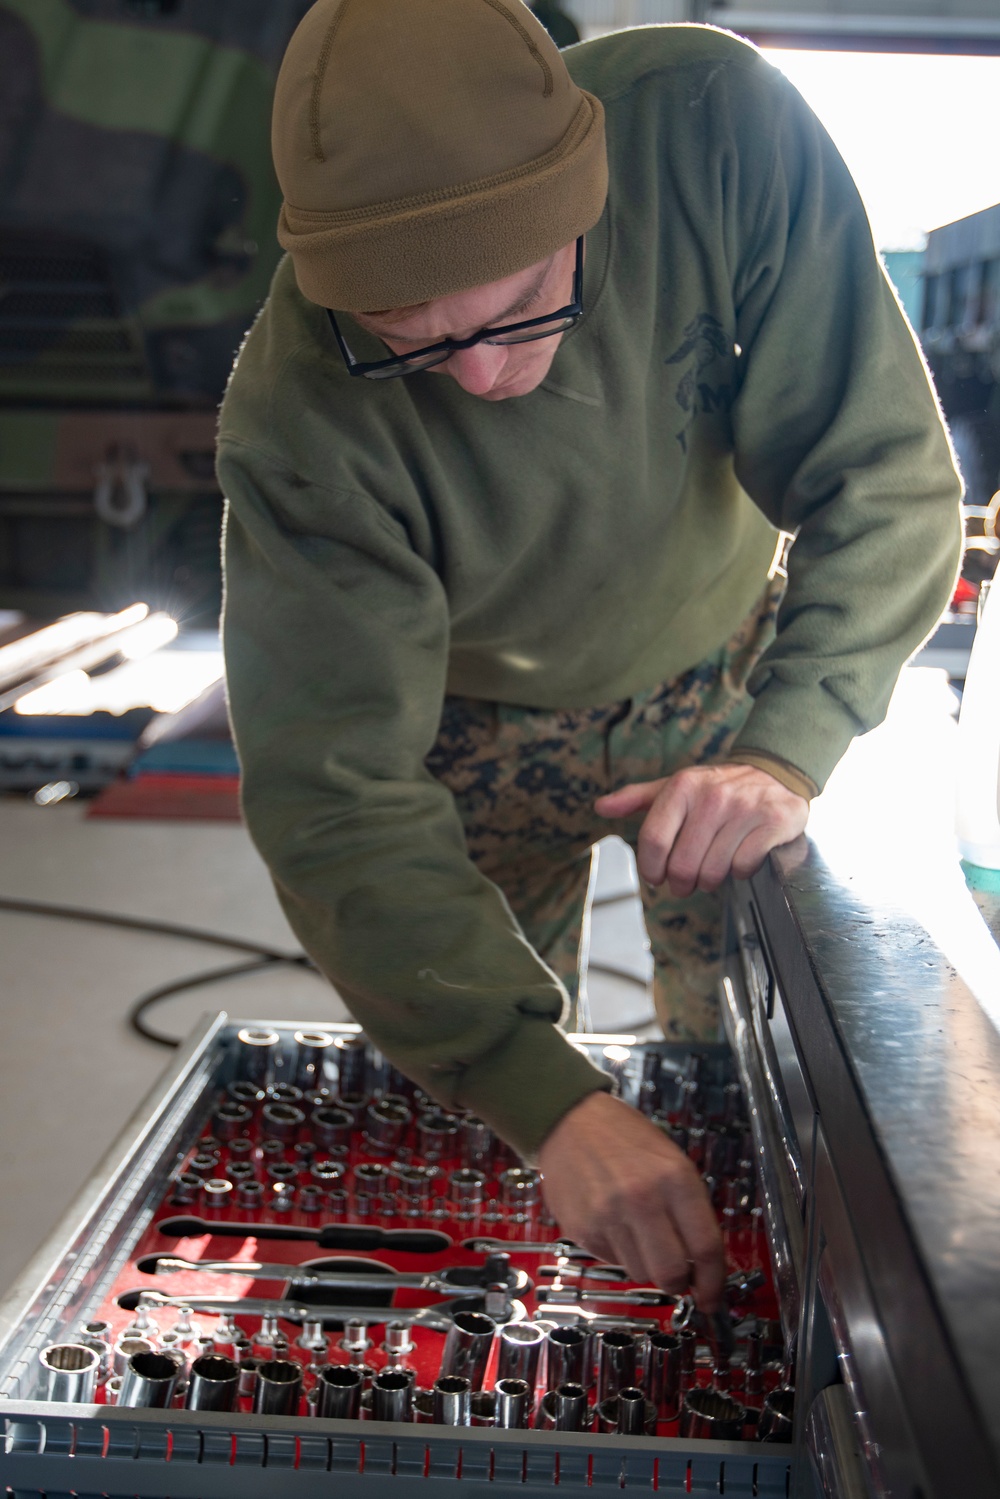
707	822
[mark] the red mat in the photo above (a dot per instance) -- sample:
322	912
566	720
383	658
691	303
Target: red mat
192	797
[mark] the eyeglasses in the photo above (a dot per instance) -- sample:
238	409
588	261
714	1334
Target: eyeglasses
509	333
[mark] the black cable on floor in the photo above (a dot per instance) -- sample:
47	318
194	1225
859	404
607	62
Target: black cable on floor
137	1011
144	924
264	957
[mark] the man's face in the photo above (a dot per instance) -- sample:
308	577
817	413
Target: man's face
492	371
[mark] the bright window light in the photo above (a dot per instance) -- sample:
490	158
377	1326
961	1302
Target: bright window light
918	132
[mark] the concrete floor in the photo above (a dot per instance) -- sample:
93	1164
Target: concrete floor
71	1071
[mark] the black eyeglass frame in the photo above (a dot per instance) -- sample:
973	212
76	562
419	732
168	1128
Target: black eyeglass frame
570	315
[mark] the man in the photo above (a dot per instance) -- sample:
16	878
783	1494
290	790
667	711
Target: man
486	588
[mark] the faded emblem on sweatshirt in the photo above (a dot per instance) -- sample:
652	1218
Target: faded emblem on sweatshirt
704	343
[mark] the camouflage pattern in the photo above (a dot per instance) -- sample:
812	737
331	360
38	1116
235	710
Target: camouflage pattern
525	781
138	207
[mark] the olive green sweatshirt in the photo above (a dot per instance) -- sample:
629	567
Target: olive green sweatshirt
742	367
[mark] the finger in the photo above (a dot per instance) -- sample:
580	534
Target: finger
721	853
759	842
659	832
628	800
663	1256
690	848
701	1237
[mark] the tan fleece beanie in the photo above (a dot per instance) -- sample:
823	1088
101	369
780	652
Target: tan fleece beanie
427	146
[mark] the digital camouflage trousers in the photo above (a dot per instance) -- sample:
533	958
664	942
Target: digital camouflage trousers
525	781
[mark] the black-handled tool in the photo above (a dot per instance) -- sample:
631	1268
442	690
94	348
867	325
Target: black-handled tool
327	1236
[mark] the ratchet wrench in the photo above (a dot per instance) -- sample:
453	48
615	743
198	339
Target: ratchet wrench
452	1279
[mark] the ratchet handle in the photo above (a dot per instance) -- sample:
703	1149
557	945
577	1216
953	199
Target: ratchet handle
358	1236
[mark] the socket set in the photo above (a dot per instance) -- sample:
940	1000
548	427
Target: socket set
327	1243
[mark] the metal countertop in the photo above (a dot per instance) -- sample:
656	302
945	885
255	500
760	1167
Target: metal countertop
906	959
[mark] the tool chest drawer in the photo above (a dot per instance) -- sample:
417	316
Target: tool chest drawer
294	1261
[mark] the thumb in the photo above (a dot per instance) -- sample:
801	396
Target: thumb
628	799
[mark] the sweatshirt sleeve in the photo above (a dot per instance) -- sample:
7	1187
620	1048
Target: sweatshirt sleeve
336	643
838	439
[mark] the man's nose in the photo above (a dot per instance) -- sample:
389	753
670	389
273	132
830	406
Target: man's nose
477	369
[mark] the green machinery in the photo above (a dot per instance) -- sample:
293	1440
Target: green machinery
137	240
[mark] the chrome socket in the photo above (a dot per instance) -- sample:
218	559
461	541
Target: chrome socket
710	1413
776	1416
520	1192
452	1401
370	1182
482	1408
477	1142
312	1050
413	1188
231	1119
567	1357
398	1343
664	1373
150	1379
256	1054
465	1190
124	1350
245	1092
565	1409
616	1361
250	1194
392	1396
281	1121
339	1392
352	1064
278	1388
69	1372
437	1137
386	1123
218	1194
467	1347
512	1406
187	1189
628	1413
213	1384
326	1173
332	1125
520	1347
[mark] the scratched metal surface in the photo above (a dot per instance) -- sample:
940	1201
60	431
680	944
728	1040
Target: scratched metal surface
907	961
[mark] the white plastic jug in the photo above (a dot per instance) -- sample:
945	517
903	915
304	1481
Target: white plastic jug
977	816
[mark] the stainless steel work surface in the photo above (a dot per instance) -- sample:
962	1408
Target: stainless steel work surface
892	979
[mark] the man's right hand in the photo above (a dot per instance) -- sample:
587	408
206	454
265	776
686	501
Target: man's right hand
617	1186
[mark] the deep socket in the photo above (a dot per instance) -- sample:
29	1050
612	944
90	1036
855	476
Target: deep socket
352	1064
256	1052
69	1372
213	1384
339	1390
664	1373
150	1379
467	1347
278	1388
313	1047
616	1361
520	1345
567	1357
